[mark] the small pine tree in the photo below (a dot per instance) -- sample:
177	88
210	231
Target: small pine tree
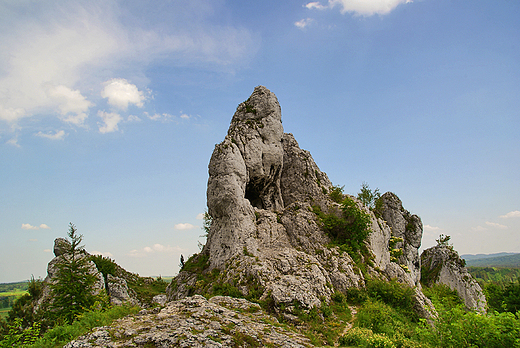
74	284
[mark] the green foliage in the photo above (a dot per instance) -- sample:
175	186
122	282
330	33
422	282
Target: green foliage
442	295
443	240
17	336
367	196
498	276
336	193
196	263
105	265
323	325
73	289
458	328
64	333
206	223
350	230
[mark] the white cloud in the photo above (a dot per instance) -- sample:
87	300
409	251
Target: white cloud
479	229
72	105
13	141
360	7
511	214
56	136
431	228
156	248
121	93
29	227
110	120
185	117
495	225
200	216
302	24
315	5
55	55
133	118
186	226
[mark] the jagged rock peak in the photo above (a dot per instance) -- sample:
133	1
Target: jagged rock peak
266	239
441	264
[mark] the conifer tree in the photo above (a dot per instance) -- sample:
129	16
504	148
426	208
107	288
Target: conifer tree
74	284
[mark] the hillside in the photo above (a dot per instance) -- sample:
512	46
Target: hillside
504	260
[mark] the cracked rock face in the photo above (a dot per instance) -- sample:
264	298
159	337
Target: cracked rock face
442	265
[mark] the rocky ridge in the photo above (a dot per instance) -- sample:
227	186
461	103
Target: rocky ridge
196	322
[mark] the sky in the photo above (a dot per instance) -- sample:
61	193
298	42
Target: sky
110	110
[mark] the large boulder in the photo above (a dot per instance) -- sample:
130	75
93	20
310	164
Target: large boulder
442	265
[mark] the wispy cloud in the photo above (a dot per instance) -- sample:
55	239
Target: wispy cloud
56	136
200	216
61	52
431	228
31	227
156	248
110	121
186	226
511	214
302	24
496	225
315	5
360	7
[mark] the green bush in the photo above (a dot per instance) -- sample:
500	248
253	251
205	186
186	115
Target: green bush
350	230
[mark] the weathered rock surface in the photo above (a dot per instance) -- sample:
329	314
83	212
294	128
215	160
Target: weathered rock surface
407	227
442	265
195	322
265	239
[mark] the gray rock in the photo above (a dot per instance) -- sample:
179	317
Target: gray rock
61	246
442	265
264	238
196	322
118	291
406	226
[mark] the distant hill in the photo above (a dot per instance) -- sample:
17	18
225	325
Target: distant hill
510	260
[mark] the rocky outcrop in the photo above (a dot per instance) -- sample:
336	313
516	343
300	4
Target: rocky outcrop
265	239
119	292
442	265
196	322
408	228
61	252
116	287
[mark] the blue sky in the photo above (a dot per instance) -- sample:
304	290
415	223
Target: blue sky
109	112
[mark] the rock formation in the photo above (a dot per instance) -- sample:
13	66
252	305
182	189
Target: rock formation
116	287
265	237
442	265
196	322
404	226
